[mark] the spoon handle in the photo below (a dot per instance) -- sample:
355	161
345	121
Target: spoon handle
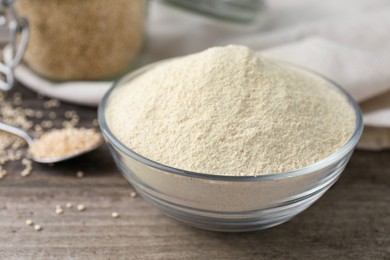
16	131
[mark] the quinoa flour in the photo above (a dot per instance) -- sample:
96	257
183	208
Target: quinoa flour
227	111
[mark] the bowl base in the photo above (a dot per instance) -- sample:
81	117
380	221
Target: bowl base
233	222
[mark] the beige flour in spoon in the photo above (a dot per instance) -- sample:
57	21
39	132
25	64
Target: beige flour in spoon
227	111
64	142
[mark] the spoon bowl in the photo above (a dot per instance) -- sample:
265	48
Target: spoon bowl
30	142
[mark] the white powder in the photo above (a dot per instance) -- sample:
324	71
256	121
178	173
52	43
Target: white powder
227	111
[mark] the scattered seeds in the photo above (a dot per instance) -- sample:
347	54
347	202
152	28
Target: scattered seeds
10	144
12	147
133	194
37	228
80	174
115	215
80	207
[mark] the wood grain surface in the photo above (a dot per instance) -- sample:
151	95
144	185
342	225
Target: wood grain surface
351	221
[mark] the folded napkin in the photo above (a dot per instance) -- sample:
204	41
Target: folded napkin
347	41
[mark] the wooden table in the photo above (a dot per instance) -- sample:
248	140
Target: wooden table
351	221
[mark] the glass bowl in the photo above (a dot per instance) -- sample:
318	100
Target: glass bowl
228	203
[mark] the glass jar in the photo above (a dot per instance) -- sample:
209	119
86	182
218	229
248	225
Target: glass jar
82	40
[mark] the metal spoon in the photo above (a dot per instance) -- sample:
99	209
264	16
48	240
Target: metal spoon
30	140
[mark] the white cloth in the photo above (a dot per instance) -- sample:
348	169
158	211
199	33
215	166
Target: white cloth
347	41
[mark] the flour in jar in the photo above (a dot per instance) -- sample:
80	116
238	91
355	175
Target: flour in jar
229	111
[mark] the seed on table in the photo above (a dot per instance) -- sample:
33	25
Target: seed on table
51	103
133	194
28	167
59	211
69	114
38	114
29	112
26	161
69	205
74	121
115	215
26	172
37	228
80	207
80	174
52	115
3	172
38	128
47	124
55	102
66	124
29	222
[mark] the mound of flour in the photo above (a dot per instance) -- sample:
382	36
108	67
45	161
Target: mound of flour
227	111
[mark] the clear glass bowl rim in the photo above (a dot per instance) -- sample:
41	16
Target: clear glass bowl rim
336	156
